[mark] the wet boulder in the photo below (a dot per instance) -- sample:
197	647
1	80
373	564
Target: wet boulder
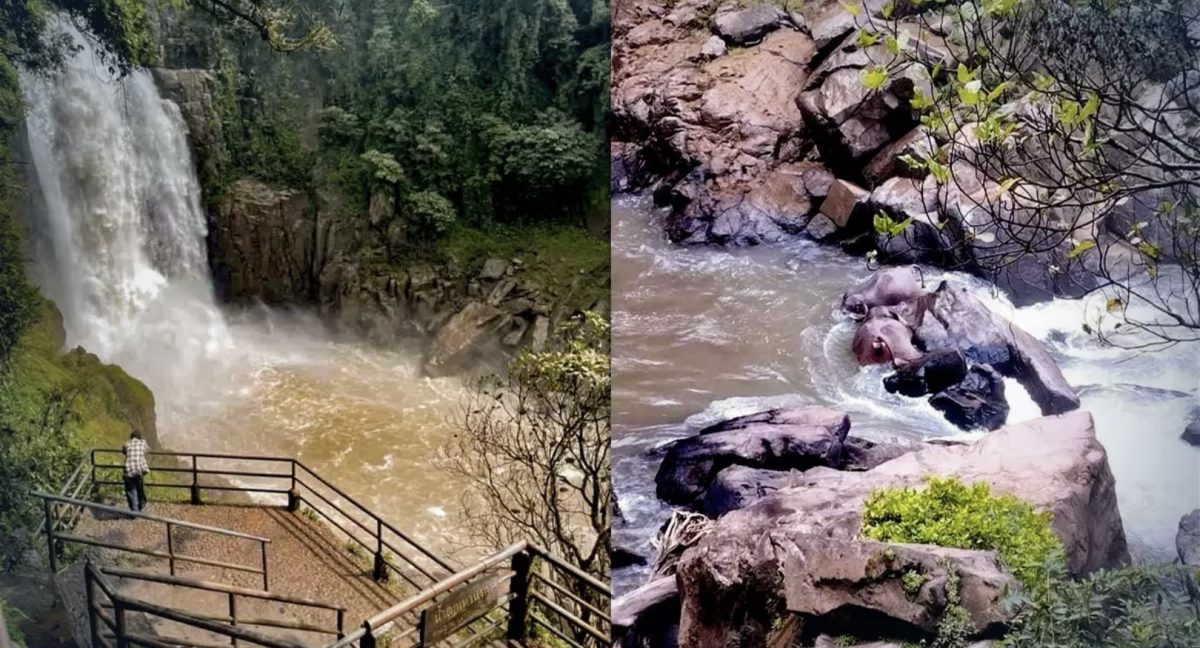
958	320
976	403
1191	433
859	454
791	439
750	25
463	340
1187	540
737	486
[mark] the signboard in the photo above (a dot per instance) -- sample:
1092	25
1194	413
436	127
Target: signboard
444	618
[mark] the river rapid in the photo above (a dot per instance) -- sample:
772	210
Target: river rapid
701	334
120	248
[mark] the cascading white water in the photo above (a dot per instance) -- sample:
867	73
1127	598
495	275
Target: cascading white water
121	231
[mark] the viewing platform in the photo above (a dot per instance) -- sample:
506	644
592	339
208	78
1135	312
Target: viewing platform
263	551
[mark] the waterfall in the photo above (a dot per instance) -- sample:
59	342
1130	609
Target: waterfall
119	229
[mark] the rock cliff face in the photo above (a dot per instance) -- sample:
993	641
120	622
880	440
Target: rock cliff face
796	550
285	247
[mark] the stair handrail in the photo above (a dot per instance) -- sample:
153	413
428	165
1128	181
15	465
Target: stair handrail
53	535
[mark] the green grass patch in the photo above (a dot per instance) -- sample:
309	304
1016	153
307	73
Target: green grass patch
949	513
567	263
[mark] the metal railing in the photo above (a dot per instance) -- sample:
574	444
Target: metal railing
515	594
233	594
535	591
109	620
55	536
394	552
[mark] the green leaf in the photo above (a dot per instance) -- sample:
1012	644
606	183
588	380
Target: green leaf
867	38
1091	107
998	90
1148	249
1006	185
970	92
1080	248
887	10
873	78
965	75
853	9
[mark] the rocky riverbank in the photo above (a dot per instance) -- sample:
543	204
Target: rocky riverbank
753	123
282	246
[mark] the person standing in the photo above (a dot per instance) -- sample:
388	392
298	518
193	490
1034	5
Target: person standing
136	469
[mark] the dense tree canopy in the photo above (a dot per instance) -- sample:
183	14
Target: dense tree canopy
498	107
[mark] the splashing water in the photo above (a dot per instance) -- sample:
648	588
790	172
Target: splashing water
120	248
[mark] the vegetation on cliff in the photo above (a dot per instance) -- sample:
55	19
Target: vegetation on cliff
498	110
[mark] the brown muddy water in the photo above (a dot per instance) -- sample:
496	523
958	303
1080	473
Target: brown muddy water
704	333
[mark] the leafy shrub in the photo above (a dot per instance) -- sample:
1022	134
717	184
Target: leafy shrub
1136	607
551	155
950	514
386	168
429	213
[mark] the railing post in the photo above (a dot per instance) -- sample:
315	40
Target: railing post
94	487
380	572
518	610
50	537
119	617
170	549
266	579
368	639
195	482
341	624
293	503
233	615
89	584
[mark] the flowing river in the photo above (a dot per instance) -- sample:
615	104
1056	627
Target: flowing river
703	333
120	237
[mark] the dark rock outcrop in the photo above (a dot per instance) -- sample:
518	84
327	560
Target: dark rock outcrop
1191	433
790	442
976	403
1187	540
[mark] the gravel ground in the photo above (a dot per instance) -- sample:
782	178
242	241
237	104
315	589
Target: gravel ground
304	560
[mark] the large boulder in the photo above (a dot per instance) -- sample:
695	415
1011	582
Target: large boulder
691	465
849	122
1191	433
462	340
844	585
733	583
960	321
647	617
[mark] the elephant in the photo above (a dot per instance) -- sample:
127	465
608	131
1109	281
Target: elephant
882	340
887	287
